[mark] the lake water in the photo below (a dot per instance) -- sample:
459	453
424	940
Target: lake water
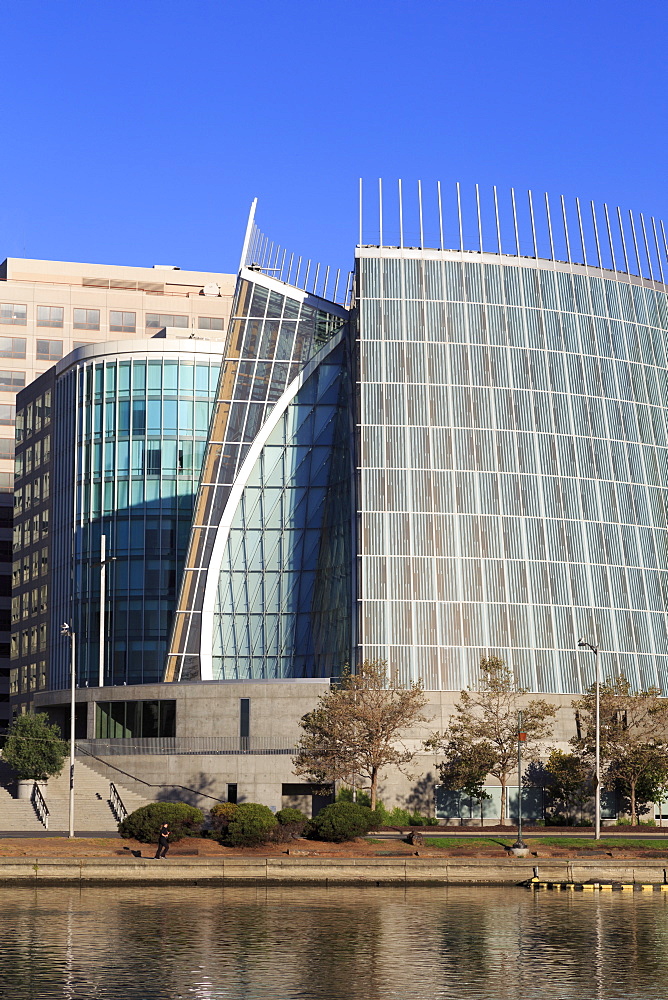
340	944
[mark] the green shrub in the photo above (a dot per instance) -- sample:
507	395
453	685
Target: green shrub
342	821
252	824
221	816
291	823
34	748
361	798
144	824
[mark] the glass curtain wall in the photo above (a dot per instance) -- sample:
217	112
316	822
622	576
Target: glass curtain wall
513	469
283	604
274	332
141	431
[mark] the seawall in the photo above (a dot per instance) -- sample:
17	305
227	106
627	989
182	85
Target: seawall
330	871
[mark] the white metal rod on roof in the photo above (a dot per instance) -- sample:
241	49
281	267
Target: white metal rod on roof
299	267
582	236
649	256
308	268
621	233
360	206
336	283
440	214
315	280
380	210
635	244
665	243
598	246
459	217
477	202
549	225
533	226
498	224
568	242
517	234
324	290
420	214
610	239
285	253
401	217
292	257
658	251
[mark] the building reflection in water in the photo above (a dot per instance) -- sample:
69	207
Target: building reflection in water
345	943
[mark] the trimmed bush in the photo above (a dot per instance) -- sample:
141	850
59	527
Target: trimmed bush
342	821
221	816
251	825
144	823
291	824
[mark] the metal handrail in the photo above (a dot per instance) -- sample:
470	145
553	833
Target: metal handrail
116	803
40	806
186	745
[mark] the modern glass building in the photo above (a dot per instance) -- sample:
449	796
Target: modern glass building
467	456
117	433
505	459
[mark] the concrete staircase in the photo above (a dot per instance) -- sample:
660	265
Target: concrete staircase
92	807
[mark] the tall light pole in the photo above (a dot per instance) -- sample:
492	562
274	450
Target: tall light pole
597	790
68	631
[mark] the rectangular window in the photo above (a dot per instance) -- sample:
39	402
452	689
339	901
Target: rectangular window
6	448
156	321
13	314
7	414
12	347
210	322
12	381
86	319
46	411
43	598
50	315
45	561
46	483
122	322
244	719
114	719
46	443
42	636
49	350
232	793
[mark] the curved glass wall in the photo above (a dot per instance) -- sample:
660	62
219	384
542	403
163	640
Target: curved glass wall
283	600
138	430
512	447
275	331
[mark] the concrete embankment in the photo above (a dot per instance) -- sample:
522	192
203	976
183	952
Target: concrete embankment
328	871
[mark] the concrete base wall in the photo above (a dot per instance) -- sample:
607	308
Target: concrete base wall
211	710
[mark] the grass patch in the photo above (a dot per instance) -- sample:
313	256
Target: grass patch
579	843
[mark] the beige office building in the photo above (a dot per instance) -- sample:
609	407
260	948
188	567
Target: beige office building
49	308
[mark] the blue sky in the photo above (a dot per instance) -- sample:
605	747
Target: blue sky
138	132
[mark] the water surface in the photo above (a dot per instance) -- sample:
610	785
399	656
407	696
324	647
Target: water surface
330	944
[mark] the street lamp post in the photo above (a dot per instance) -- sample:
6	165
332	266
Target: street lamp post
521	738
67	630
597	790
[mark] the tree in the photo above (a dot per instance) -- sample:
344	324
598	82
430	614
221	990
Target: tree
571	782
487	719
466	772
356	728
634	731
34	748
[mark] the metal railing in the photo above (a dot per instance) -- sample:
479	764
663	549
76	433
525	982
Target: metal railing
185	745
40	806
116	803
